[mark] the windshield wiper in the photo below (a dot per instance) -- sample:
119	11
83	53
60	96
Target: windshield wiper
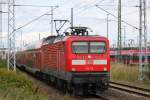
74	50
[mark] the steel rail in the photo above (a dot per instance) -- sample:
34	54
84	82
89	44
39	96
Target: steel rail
131	89
134	87
102	97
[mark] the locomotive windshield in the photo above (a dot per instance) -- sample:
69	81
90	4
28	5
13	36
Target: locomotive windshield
97	47
88	47
80	47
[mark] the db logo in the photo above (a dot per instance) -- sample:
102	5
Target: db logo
90	62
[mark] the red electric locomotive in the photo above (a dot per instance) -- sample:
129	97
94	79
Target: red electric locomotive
76	61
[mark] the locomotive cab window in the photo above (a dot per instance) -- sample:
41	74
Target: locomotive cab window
88	47
97	47
80	47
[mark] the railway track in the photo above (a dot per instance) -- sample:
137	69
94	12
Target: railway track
130	89
91	97
103	97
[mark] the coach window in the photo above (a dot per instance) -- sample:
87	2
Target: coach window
97	47
80	47
35	58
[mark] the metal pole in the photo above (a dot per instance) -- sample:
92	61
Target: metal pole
11	59
143	67
0	25
52	20
107	24
145	40
71	17
21	42
39	36
140	42
14	46
124	36
119	43
8	44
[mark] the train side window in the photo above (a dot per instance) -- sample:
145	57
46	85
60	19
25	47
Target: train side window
35	57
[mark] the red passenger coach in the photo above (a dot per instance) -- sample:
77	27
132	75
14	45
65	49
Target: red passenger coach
75	61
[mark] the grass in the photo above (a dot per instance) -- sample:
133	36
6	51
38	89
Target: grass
17	86
149	71
128	74
3	63
122	72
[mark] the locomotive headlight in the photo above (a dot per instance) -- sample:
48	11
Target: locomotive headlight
89	56
105	68
73	69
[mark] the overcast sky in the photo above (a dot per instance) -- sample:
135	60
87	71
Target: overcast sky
85	14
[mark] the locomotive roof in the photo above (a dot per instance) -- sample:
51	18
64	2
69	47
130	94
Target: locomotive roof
52	39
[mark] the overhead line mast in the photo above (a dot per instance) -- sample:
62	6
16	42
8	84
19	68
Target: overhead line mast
71	17
52	17
119	42
107	25
11	59
0	25
143	67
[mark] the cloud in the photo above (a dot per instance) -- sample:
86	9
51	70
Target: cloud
84	14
